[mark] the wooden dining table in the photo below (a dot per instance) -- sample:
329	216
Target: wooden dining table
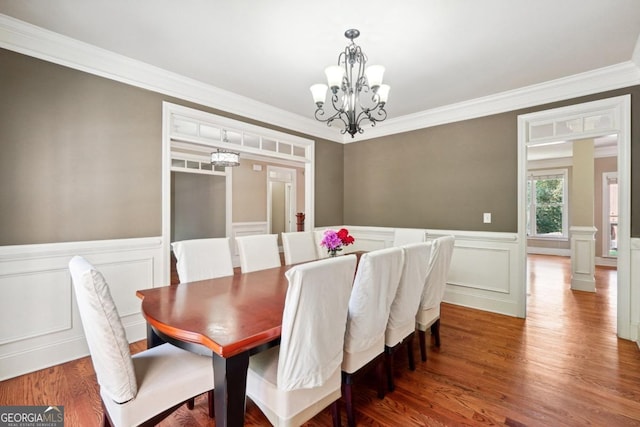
228	318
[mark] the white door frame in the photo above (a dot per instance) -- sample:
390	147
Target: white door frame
275	146
619	112
288	176
606	203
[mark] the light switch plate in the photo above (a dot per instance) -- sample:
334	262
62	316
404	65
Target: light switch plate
486	218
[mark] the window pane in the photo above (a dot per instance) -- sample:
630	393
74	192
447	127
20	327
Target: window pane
549	220
546	205
549	191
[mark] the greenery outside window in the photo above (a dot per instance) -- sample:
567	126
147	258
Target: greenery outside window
547	204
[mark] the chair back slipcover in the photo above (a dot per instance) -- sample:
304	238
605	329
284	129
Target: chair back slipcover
314	321
258	252
104	332
201	259
437	279
134	389
374	288
295	381
405	305
299	247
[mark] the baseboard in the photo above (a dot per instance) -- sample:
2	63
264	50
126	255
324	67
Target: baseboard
606	262
536	250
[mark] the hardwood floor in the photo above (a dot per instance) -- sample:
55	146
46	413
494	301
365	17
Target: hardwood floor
562	366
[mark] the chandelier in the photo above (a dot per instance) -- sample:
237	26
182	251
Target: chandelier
357	93
224	158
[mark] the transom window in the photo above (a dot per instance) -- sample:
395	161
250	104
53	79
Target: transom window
547	204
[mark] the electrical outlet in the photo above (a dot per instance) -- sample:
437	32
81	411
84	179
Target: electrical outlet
486	218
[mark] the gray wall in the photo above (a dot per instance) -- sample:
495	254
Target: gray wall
446	176
441	177
81	160
81	156
197	206
329	188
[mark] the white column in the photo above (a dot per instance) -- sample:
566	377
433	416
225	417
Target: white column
583	252
582	230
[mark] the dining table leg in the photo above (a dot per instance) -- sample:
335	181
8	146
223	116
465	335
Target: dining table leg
153	339
230	380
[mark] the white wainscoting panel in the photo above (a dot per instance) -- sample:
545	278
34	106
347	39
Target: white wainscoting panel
39	320
583	254
48	310
490	272
484	271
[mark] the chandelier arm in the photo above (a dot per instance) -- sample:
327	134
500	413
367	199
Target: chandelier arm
320	113
334	101
380	112
361	82
346	125
364	115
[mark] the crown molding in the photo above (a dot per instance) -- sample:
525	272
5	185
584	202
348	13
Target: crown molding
603	79
37	42
635	57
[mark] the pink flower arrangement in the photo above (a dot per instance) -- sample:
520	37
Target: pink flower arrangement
335	240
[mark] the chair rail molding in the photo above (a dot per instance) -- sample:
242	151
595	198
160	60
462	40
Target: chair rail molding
36	279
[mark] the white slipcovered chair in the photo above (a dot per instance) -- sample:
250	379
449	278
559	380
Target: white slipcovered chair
321	250
402	315
299	247
294	381
200	259
429	313
144	388
404	236
374	288
258	252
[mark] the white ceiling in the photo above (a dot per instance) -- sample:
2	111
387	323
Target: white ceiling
436	53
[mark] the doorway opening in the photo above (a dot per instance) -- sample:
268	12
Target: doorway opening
281	200
590	120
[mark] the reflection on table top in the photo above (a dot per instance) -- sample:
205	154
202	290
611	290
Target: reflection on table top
228	315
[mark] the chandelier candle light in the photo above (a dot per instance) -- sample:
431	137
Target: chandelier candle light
353	88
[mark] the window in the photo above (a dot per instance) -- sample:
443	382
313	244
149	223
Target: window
547	204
